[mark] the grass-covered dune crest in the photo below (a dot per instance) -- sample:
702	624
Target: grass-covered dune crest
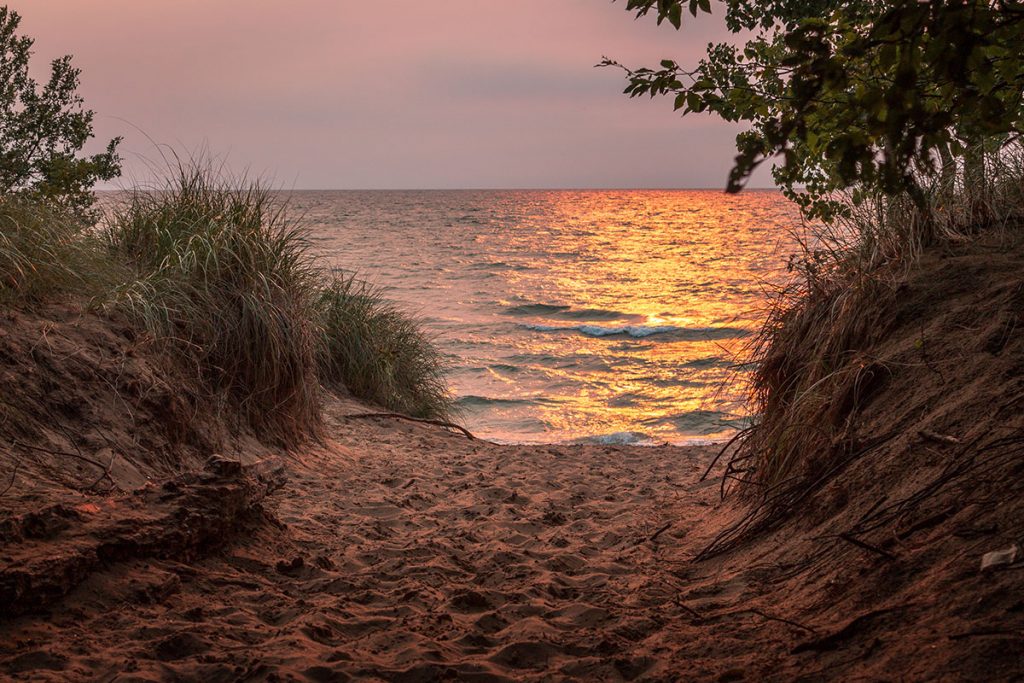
217	274
899	331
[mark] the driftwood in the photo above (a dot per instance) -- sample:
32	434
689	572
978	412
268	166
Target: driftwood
849	538
14	473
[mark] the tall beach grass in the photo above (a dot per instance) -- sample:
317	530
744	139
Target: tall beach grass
378	352
224	278
811	370
217	273
46	252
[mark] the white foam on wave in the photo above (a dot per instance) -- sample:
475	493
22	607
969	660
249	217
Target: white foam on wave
617	439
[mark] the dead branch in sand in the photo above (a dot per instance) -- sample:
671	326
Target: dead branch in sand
739	435
653	537
400	416
981	633
745	610
849	538
689	610
105	469
770	617
971	460
14	473
855	625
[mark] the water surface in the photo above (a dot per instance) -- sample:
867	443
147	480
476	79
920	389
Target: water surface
573	315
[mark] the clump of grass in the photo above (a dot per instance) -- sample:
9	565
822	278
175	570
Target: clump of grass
224	278
218	273
812	371
378	352
44	252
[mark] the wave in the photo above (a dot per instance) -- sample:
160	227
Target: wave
641	331
473	400
535	309
569	313
597	314
617	439
701	422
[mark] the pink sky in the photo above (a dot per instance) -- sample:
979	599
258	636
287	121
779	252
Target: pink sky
396	94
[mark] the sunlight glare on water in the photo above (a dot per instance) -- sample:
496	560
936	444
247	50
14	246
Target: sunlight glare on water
573	315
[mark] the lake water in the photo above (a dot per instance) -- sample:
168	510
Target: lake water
612	316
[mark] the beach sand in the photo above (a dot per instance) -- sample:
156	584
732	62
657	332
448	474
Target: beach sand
405	552
399	551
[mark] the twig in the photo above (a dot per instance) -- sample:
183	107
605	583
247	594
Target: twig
939	438
689	610
777	502
400	416
14	473
984	632
660	531
106	472
782	620
849	538
78	456
831	641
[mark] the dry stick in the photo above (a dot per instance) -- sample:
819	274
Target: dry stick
783	620
400	416
960	465
689	610
14	473
106	471
939	438
773	506
746	610
660	531
984	632
849	538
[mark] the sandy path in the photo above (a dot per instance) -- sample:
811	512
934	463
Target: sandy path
401	552
406	553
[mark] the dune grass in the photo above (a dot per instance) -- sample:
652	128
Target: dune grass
217	273
378	352
224	278
46	252
811	372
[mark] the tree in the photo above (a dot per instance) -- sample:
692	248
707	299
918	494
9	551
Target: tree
869	94
43	129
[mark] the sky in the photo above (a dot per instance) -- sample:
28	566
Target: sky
397	94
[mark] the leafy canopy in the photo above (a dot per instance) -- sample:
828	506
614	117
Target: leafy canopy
43	129
850	93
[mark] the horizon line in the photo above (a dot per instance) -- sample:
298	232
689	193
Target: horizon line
499	189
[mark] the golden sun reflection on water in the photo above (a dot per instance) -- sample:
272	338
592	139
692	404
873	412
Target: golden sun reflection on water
575	314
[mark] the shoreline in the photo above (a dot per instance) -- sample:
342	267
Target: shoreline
598	441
